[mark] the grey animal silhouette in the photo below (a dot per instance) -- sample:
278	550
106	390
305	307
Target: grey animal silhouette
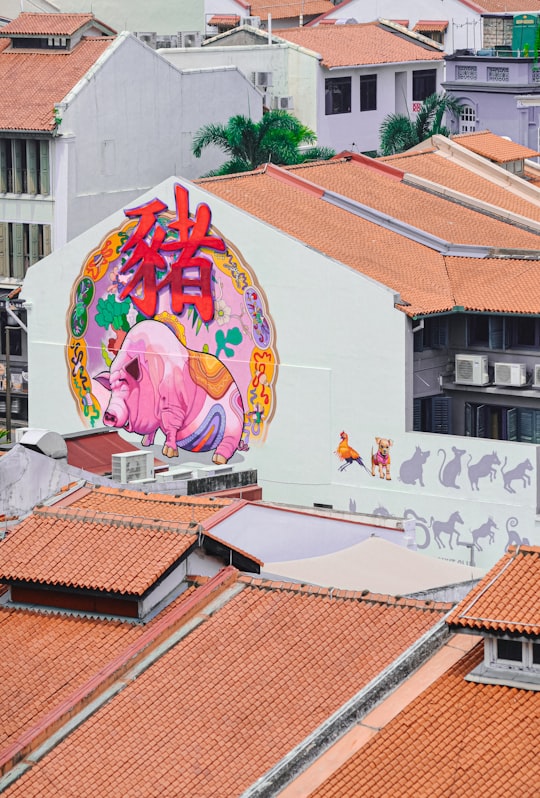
485	467
513	538
382	511
484	531
352	505
450	471
519	472
448	527
412	470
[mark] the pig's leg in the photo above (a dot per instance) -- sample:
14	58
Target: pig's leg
148	439
172	420
233	431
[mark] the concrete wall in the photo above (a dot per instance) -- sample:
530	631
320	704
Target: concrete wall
343	356
129	124
359	130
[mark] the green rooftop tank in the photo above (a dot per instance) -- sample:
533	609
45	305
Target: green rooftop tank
524	31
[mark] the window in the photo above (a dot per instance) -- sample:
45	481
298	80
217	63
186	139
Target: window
337	95
467	119
24	166
512	654
433	414
21	245
424	83
368	92
433	335
510	650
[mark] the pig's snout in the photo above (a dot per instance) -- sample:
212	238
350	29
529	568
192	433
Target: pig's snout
109	419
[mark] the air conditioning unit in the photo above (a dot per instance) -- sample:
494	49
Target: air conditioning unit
132	466
19	432
189	39
262	79
536	376
513	374
472	370
255	22
284	103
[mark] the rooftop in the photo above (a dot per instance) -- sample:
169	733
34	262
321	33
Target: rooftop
265	666
360	212
34	81
46	24
360	44
455	738
494	147
281	9
507	599
91	550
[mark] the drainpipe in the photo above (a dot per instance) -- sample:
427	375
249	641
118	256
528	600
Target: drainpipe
269	28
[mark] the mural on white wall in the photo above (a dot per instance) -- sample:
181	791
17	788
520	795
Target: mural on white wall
492	494
170	335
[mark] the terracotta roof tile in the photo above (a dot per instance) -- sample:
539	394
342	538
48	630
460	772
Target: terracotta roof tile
495	285
46	24
83	549
156	506
506	6
443	171
507	599
231	698
417	272
33	645
494	147
32	82
224	19
354	45
431	25
457	738
281	9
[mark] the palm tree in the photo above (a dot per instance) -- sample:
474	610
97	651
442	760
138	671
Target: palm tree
277	138
398	132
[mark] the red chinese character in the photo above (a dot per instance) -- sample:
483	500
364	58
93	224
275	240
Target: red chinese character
145	256
193	288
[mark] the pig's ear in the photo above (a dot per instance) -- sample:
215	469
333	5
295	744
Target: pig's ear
104	379
132	368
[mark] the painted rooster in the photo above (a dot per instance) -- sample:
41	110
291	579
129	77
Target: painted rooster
347	454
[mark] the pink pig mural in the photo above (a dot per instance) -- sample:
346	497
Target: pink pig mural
157	383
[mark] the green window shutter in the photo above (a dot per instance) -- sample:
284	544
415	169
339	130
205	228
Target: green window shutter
511	424
17	160
4	249
44	168
33	248
32	166
46	231
4	143
18	251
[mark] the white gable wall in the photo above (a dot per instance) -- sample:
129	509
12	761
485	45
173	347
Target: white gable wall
464	24
131	122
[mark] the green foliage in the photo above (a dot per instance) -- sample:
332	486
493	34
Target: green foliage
277	138
111	312
399	133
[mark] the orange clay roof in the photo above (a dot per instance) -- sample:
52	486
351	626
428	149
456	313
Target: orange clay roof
46	24
497	285
494	147
281	9
506	6
431	25
32	82
457	738
417	272
507	599
233	696
437	168
84	549
224	19
132	503
355	45
45	656
447	220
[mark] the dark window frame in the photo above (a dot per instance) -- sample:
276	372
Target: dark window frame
424	83
337	95
368	92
